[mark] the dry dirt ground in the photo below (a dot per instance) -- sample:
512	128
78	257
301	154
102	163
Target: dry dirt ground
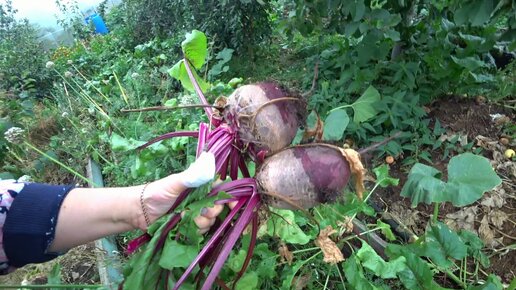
493	217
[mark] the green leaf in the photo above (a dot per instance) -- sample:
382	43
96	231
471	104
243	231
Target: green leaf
235	261
469	176
363	107
54	277
476	12
121	144
471	63
441	243
282	224
176	255
6	175
355	275
143	268
475	246
266	264
418	274
248	282
382	176
372	261
335	125
178	71
195	48
423	184
386	230
193	210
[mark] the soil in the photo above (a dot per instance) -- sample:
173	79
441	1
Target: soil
472	118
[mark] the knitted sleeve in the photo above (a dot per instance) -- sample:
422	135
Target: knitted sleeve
28	218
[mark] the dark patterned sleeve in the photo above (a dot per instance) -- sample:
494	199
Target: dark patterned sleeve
28	217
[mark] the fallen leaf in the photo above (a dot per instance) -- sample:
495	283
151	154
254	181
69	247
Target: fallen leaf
508	167
347	224
316	133
449	136
331	252
357	170
462	219
497	218
495	199
285	254
300	282
487	143
485	232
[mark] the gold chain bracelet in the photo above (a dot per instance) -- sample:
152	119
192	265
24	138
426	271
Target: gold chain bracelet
145	214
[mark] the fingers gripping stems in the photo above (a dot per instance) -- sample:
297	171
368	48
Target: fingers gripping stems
200	172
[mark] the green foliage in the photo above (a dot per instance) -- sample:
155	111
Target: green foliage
469	176
335	124
22	65
283	225
246	23
363	106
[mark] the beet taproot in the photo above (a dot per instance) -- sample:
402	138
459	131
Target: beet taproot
266	114
304	175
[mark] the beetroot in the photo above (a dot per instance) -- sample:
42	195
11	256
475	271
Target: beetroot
305	175
266	115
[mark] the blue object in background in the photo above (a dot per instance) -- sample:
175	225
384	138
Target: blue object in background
98	22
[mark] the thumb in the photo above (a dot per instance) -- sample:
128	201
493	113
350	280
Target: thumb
201	171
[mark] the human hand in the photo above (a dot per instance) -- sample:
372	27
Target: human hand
199	172
159	196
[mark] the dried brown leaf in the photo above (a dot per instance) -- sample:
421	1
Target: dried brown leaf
487	143
347	224
462	219
331	252
485	232
316	133
357	170
285	254
300	282
495	199
497	218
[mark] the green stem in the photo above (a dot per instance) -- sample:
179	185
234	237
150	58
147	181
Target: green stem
305	250
436	212
326	283
48	286
454	278
361	234
59	163
340	275
341	107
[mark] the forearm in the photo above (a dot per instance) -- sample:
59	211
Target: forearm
91	213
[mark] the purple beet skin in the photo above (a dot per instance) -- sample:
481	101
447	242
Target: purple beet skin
306	175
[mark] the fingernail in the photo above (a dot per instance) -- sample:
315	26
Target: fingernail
204	211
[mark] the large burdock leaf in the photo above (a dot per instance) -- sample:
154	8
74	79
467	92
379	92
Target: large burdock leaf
363	107
423	184
355	275
335	124
178	71
441	243
469	176
372	261
195	48
282	224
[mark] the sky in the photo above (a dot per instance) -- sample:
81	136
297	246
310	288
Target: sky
43	12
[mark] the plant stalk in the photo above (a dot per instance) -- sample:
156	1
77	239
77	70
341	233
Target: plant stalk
436	212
